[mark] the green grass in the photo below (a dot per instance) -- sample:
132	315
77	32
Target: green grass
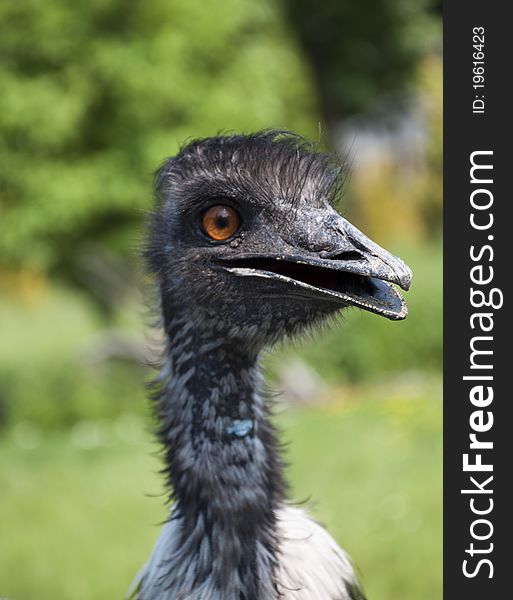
48	374
76	521
78	518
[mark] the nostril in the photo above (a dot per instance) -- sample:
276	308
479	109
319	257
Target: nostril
347	255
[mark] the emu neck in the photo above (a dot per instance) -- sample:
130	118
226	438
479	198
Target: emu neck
222	461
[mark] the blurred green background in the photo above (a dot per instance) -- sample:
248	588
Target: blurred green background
93	96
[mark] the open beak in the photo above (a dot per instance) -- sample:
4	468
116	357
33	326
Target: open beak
354	272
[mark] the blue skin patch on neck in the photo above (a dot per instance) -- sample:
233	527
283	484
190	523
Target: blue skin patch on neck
240	427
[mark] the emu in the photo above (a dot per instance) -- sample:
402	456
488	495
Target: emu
246	250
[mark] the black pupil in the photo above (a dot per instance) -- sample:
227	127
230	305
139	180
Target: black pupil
223	220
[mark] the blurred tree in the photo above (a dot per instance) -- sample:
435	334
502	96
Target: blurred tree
431	86
96	94
361	51
376	64
93	95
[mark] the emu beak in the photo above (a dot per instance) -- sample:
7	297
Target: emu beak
350	270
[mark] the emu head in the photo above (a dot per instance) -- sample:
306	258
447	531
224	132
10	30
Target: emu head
246	241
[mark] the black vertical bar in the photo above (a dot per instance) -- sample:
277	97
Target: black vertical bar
477	120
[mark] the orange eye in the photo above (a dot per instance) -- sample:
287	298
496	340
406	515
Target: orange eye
221	222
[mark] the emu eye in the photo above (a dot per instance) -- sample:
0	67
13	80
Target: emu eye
220	222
